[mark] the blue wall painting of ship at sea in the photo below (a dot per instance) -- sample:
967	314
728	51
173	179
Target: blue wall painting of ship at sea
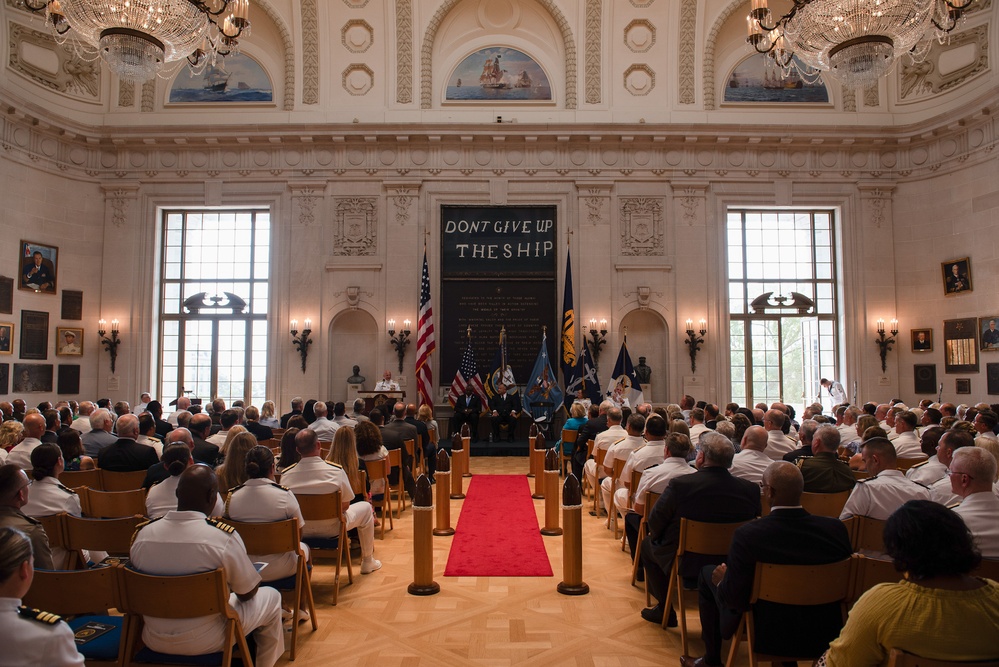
240	79
498	74
753	80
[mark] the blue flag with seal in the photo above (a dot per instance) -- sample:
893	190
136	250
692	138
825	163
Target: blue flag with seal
585	378
500	371
624	389
543	395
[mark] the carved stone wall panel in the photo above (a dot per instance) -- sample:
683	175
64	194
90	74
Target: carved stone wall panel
688	56
355	226
72	76
357	36
849	99
639	36
310	52
148	96
305	199
594	26
358	79
404	51
708	57
970	50
690	202
126	94
639	80
642	226
872	97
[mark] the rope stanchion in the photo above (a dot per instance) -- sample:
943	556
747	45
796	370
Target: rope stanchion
538	455
572	539
552	465
457	455
443	515
423	548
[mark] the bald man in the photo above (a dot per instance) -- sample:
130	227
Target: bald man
34	428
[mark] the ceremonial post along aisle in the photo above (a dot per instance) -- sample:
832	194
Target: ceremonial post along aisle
497	533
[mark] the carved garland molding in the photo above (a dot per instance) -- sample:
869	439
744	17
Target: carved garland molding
404	51
594	22
310	52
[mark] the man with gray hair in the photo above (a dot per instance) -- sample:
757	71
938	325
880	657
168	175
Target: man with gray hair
100	435
848	429
778	444
357	413
752	461
82	423
823	472
972	472
613	433
886	489
323	427
126	454
805	434
712	494
183	403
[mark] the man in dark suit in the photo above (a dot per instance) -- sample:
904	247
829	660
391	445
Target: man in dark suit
296	409
204	451
393	435
52	423
429	452
711	495
787	536
162	427
127	455
506	410
467	409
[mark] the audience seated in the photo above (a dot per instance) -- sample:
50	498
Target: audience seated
655	479
823	472
162	496
613	432
14	490
886	489
650	454
126	454
778	444
621	451
931	470
972	474
34	429
950	442
752	460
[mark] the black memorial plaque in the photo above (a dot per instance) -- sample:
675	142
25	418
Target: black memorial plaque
34	334
6	295
69	379
72	304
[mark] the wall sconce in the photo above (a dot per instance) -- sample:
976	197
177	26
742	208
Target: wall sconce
401	341
110	344
884	343
599	339
694	341
302	342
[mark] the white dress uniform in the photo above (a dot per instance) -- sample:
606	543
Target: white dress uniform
877	497
778	445
47	497
188	542
259	501
155	443
927	472
620	450
942	492
980	512
21	453
651	454
750	464
386	385
695	434
312	476
603	441
162	497
656	478
907	446
33	638
3	456
324	429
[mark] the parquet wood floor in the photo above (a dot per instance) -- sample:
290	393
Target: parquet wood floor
489	621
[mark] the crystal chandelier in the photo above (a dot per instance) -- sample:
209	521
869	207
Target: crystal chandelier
139	38
855	41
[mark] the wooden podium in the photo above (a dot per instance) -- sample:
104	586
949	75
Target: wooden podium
383	400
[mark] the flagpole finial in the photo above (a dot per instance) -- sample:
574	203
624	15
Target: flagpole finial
544	329
468	331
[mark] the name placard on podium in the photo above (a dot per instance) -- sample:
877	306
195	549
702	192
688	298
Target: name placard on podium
381	399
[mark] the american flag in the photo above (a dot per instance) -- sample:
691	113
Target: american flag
468	374
425	341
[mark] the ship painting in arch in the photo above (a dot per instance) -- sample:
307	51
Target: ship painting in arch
754	80
498	74
238	79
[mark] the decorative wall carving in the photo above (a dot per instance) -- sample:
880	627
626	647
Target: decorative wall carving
639	80
126	93
639	35
356	4
687	42
642	3
877	199
871	96
641	226
690	199
429	37
310	52
594	23
923	79
304	200
403	198
404	51
358	79
357	36
355	230
708	57
119	198
849	99
73	76
148	96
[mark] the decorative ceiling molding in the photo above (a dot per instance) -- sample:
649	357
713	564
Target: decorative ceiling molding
594	29
687	46
310	52
404	51
73	76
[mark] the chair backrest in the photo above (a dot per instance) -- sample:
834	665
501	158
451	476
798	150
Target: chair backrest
709	539
74	592
377	469
899	658
111	535
598	458
270	537
55	530
617	469
409	445
988	569
824	504
74	479
869	572
182	596
112	504
320	507
860	474
803	584
906	463
122	481
434	438
569	436
589	447
395	458
867	534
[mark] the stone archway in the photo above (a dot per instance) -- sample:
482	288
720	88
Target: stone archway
648	336
353	335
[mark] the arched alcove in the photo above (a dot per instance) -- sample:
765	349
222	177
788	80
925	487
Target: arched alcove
648	337
353	335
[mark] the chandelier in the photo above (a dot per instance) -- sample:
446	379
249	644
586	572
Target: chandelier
139	38
855	41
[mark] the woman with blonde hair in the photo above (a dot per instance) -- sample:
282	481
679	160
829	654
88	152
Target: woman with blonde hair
11	434
343	452
230	435
232	472
267	417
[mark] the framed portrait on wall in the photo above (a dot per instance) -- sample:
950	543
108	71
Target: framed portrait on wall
69	341
38	267
956	276
962	386
6	337
961	345
922	340
988	329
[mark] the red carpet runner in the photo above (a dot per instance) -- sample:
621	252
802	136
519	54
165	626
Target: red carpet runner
497	533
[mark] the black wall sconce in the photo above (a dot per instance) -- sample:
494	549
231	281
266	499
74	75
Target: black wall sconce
110	344
884	343
694	341
401	341
599	339
302	342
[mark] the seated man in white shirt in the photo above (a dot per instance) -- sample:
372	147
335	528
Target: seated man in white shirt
985	424
907	444
387	383
972	472
650	454
951	441
697	426
621	451
323	427
886	489
778	444
602	442
312	475
930	470
752	461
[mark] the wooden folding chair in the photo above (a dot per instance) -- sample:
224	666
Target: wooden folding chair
989	569
598	459
866	534
899	658
111	535
643	532
278	537
869	572
55	531
906	463
185	596
792	585
323	507
699	537
112	504
585	483
378	469
825	504
617	469
395	461
122	481
569	436
81	597
74	479
636	477
411	449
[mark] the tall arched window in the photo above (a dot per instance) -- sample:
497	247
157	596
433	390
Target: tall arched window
782	304
213	304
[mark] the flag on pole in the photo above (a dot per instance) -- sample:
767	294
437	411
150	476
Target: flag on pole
585	378
500	371
543	386
425	341
568	333
624	387
467	375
